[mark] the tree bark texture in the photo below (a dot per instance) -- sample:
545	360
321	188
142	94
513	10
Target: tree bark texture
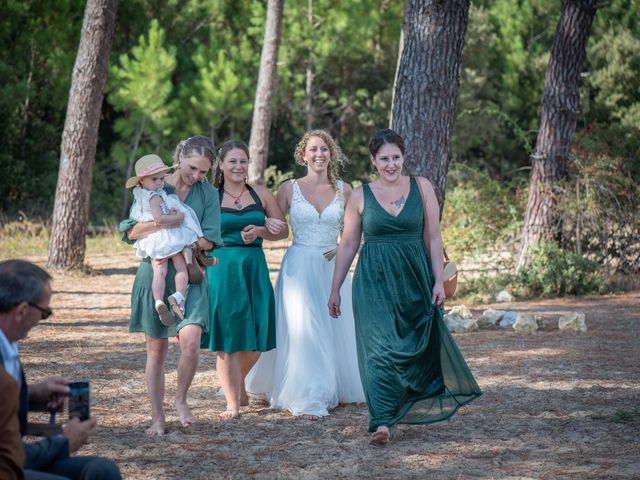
559	110
261	123
426	84
80	136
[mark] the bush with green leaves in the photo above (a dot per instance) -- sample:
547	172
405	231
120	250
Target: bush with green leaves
481	213
553	271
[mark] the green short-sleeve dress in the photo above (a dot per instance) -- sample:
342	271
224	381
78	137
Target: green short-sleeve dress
203	199
241	298
410	366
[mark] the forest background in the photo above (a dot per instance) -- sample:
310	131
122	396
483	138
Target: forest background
179	68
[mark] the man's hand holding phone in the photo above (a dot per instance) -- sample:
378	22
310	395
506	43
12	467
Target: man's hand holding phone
78	432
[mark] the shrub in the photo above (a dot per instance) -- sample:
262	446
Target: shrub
554	271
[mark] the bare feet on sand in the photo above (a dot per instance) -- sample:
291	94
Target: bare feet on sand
184	414
306	416
244	398
156	429
230	415
381	436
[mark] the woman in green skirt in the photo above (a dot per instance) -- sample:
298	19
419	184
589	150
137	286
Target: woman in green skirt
242	304
193	159
410	366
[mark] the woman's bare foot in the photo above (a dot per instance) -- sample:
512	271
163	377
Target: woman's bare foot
244	398
381	436
184	414
230	415
306	416
156	429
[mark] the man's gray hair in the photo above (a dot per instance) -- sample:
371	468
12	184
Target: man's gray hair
21	281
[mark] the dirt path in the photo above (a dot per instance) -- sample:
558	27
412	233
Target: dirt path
554	403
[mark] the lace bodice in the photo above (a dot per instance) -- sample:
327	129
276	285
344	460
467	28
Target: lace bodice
312	228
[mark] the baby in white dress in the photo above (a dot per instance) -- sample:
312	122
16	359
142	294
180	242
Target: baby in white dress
153	204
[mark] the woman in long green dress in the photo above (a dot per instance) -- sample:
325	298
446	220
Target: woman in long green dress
411	369
242	304
194	158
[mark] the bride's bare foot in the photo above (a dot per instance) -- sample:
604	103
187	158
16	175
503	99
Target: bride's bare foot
305	416
156	429
184	414
230	415
381	436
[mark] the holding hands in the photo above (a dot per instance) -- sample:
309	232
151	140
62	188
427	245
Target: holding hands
275	225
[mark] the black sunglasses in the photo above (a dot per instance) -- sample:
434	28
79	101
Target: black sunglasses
46	312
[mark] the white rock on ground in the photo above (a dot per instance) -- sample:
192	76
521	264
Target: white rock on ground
504	296
508	319
455	323
525	324
461	310
573	322
490	318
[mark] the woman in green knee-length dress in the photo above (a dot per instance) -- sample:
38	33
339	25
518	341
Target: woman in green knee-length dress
193	158
411	368
242	305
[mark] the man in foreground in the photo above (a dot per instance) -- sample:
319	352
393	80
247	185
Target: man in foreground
25	293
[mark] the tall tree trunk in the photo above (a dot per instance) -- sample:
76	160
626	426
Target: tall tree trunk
261	123
426	84
308	93
559	109
80	136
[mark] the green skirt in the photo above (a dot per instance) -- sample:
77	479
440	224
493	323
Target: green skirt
241	302
144	317
410	366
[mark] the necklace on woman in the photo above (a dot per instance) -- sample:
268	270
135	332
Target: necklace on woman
236	198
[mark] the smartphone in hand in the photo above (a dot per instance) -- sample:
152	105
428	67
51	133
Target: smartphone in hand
79	400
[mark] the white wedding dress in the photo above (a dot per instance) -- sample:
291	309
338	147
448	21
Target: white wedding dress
314	366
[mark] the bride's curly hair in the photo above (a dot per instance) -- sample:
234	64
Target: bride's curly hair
337	161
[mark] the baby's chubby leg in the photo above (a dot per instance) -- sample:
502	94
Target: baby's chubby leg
177	300
159	267
182	275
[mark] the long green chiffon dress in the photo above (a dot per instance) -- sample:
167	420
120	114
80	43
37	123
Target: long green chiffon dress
410	366
242	303
203	199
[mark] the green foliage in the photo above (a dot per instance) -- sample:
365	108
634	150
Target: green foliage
602	198
480	213
554	271
273	178
615	60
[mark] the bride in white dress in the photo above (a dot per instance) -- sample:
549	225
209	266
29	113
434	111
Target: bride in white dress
314	366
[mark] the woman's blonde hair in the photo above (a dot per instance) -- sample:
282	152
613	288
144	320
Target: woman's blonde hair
337	160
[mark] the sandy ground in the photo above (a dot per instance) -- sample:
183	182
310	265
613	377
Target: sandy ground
555	404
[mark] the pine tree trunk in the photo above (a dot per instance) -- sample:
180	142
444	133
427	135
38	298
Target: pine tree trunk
80	136
426	84
308	91
261	123
559	110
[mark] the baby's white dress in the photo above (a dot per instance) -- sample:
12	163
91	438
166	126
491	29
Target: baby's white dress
166	242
